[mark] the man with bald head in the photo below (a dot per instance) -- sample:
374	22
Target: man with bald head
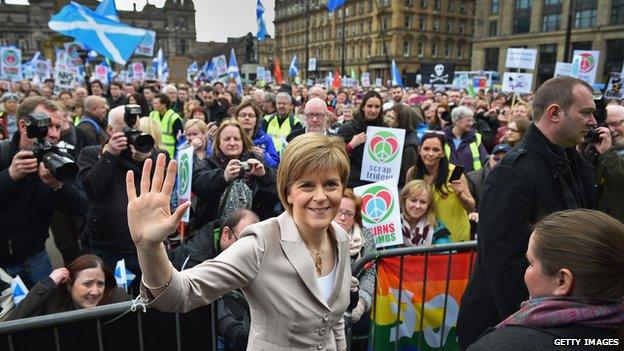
611	163
103	173
93	123
317	92
315	118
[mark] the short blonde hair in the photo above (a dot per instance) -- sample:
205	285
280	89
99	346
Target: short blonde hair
196	123
247	143
151	127
414	188
307	153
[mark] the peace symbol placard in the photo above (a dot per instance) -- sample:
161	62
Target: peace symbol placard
185	175
383	152
381	213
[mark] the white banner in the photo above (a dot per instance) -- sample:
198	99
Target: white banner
521	58
185	178
146	46
312	64
517	82
585	65
383	153
381	212
11	63
138	71
614	87
65	79
563	69
73	56
365	79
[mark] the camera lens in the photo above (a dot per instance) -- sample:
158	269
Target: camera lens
143	143
62	168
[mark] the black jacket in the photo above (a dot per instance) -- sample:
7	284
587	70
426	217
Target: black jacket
347	131
104	180
215	113
209	184
26	208
200	246
524	338
534	179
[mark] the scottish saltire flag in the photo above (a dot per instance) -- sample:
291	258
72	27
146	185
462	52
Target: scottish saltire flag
160	66
191	71
332	5
293	71
123	276
165	72
234	73
108	9
211	72
19	289
108	38
396	75
430	295
261	25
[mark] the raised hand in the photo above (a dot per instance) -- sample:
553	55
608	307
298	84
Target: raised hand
149	215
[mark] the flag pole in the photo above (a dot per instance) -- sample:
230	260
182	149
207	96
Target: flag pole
307	44
342	63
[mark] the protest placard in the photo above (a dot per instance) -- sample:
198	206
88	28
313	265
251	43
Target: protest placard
562	69
312	64
381	212
146	46
521	58
585	65
517	82
365	79
72	51
437	73
614	87
11	63
185	174
137	70
65	78
383	153
221	66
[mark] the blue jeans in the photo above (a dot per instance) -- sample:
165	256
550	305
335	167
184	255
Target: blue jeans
33	270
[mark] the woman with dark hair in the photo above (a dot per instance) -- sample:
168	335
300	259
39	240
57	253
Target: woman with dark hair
97	88
354	132
516	129
139	99
85	283
406	118
233	177
452	199
575	279
249	115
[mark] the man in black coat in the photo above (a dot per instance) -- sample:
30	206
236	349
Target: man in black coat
541	175
103	174
29	194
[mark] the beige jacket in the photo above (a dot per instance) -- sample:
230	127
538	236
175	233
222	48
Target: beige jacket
271	264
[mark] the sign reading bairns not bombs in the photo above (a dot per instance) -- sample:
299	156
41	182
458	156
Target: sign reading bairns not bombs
381	213
383	153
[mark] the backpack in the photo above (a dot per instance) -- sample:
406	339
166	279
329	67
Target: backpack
92	123
237	196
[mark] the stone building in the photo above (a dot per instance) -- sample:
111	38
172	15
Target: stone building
376	31
541	24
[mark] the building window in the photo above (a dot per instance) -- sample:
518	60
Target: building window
585	18
451	6
491	59
382	50
385	3
436	5
421	49
547	62
408	21
581	45
436	24
462	27
370	51
449	25
407	48
370	5
551	22
422	24
370	25
462	6
459	51
522	16
494	6
447	50
617	12
493	30
423	3
615	55
409	3
384	23
434	49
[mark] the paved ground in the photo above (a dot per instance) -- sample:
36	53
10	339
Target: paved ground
55	255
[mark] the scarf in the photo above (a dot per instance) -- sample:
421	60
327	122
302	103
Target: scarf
554	311
421	234
356	241
224	160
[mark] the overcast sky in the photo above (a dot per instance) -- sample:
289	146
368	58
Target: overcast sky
216	20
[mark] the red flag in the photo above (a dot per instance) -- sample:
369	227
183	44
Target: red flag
336	83
278	72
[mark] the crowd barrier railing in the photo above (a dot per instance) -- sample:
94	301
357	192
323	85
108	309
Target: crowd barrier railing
417	295
113	327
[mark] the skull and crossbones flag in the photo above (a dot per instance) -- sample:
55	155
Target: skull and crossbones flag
437	73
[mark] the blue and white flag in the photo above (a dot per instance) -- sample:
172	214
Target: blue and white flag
191	71
123	276
160	66
19	289
108	9
234	73
332	5
211	71
396	75
108	38
261	25
293	71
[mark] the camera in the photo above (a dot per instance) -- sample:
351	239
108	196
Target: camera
61	167
592	136
142	142
245	167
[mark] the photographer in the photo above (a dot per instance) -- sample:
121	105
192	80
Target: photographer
103	173
611	162
30	191
233	178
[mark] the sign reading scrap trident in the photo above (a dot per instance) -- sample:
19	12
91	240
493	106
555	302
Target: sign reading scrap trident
383	152
185	174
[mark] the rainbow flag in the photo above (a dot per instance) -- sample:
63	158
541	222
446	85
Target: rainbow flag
423	324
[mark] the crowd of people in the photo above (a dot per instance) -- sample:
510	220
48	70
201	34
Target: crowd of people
273	204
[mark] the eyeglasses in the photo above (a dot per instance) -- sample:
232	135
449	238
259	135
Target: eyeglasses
496	158
614	124
248	115
315	115
513	130
347	214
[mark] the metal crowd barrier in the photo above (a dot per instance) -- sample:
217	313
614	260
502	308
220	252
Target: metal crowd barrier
113	327
426	251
